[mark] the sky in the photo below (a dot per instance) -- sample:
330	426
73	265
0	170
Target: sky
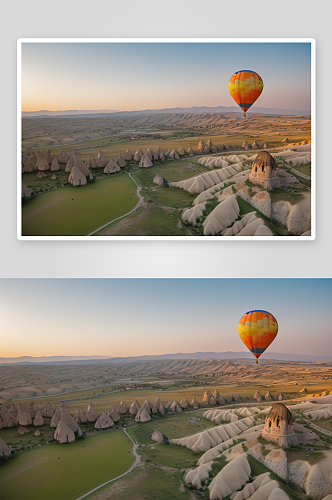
133	317
134	76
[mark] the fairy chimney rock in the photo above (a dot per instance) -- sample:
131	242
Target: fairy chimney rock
264	171
279	426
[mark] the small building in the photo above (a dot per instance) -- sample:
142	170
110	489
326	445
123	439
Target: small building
279	427
264	171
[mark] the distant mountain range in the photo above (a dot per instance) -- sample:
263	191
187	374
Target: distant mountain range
194	109
177	356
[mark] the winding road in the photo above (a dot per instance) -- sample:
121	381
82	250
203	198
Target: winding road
132	467
140	203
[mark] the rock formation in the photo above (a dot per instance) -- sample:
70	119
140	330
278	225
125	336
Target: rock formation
128	156
101	160
149	153
121	161
222	216
258	396
50	156
91	163
147	405
29	165
5	450
245	146
92	413
23	416
63	157
104	422
254	145
111	167
54	177
194	404
69	164
145	161
191	152
285	140
76	177
157	436
268	396
265	146
280	396
37	433
158	180
264	171
38	420
26	192
138	155
184	403
80	416
63	434
142	415
304	390
158	155
114	414
78	163
122	408
175	407
211	147
181	151
48	410
134	407
209	438
40	175
173	155
279	426
219	399
42	163
55	165
202	147
56	417
9	420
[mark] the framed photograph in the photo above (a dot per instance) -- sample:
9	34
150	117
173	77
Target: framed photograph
166	139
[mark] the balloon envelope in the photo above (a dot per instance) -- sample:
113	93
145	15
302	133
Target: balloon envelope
257	329
245	87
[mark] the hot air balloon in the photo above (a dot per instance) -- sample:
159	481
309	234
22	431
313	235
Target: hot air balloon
257	329
245	87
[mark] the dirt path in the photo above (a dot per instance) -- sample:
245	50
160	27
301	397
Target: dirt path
135	464
140	203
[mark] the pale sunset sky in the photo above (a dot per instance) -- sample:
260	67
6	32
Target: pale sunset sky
135	76
133	317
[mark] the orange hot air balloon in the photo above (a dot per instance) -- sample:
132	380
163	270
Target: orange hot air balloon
257	329
245	87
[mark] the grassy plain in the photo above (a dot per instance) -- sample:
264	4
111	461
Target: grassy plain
170	455
56	471
76	211
173	426
148	482
148	220
172	171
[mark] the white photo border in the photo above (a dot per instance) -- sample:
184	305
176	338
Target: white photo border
312	42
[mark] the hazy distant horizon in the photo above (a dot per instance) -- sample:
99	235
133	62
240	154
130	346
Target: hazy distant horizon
135	317
130	76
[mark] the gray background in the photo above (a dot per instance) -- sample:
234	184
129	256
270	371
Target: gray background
159	18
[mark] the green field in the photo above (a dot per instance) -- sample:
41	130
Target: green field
148	220
172	171
65	472
76	211
173	426
170	455
169	196
147	483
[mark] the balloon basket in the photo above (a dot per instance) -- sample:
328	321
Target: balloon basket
257	361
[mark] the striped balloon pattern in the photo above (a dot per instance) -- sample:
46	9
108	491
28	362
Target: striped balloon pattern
257	329
245	87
